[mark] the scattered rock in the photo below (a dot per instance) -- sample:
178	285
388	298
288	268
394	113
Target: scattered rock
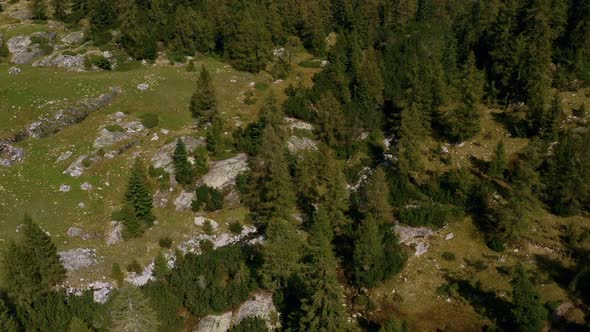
101	291
140	279
115	235
133	127
295	144
200	221
164	131
192	245
449	236
86	186
117	116
223	173
143	86
14	71
260	306
298	124
9	155
215	323
184	201
64	156
421	248
108	138
23	13
22	50
76	169
155	137
81	233
64	188
75	37
61	61
161	198
77	259
405	233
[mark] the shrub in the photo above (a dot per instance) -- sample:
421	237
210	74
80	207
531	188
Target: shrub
429	215
115	128
69	52
210	199
261	86
97	60
134	266
207	227
250	324
118	215
206	245
311	64
236	227
150	120
86	162
448	256
165	242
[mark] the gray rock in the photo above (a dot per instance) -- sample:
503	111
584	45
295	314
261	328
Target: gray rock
184	201
21	14
64	188
421	248
163	157
9	155
223	173
140	279
215	323
161	198
143	86
298	124
64	156
76	169
200	221
81	233
77	259
108	138
22	50
47	35
449	236
14	71
75	37
295	144
260	306
133	127
61	61
117	116
86	186
115	234
406	234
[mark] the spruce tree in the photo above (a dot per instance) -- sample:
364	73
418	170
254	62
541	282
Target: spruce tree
498	164
132	225
331	120
409	156
394	257
79	9
160	266
138	195
78	325
131	311
59	9
8	321
182	168
42	249
368	253
203	103
322	310
248	47
38	9
20	275
528	313
136	35
103	17
117	274
375	196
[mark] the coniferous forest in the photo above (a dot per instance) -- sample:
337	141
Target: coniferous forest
462	123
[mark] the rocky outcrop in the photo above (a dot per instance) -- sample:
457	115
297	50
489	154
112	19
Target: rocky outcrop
184	201
192	245
163	157
81	233
140	279
115	233
161	198
61	61
298	124
222	174
21	14
22	50
75	37
77	259
14	71
76	169
414	237
9	155
215	323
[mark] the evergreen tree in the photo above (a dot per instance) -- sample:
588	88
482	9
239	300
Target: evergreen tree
78	10
322	311
102	18
550	125
132	312
59	9
375	194
8	321
215	137
393	254
78	325
160	266
20	275
182	168
201	167
44	253
117	274
368	253
330	119
138	195
409	155
203	102
38	9
498	164
248	47
132	225
528	313
136	34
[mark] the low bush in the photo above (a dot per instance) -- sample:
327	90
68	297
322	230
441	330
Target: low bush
209	199
165	242
115	128
150	120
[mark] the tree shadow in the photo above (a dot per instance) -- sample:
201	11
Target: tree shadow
556	270
516	127
486	303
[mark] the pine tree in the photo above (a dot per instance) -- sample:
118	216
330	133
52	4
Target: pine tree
498	164
182	168
550	124
44	253
117	274
248	47
201	167
528	313
160	266
20	275
322	310
376	197
331	120
38	9
136	34
79	9
409	155
102	18
59	9
8	321
132	225
78	325
132	312
203	102
214	137
393	254
368	253
138	195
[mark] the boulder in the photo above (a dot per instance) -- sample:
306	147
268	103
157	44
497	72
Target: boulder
64	156
261	306
143	86
64	188
76	169
77	259
163	157
161	198
223	173
9	155
421	248
22	50
215	323
61	61
81	233
86	186
75	37
406	234
140	279
298	124
108	138
200	221
184	201
22	14
14	71
115	234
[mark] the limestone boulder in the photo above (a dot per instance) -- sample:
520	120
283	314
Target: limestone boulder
222	174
